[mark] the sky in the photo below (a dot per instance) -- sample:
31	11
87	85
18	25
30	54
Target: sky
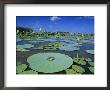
79	24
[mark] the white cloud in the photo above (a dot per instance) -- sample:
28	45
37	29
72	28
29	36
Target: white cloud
54	18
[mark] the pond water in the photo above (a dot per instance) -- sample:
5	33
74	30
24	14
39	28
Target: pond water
66	47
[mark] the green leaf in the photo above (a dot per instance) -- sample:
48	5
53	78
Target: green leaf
21	68
29	72
91	63
78	69
91	69
49	62
70	71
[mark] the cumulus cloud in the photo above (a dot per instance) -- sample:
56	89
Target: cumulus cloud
54	18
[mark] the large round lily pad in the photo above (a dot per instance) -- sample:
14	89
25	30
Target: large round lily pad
49	62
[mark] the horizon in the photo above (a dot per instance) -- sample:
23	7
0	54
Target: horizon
75	24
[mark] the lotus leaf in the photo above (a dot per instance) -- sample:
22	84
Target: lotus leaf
49	48
40	47
90	51
80	61
25	46
78	69
69	48
70	71
91	63
39	62
21	68
56	44
88	59
21	50
29	72
91	69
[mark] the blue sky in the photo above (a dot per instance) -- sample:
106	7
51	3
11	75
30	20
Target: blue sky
80	24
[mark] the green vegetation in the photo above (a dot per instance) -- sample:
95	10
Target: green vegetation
41	62
91	69
21	68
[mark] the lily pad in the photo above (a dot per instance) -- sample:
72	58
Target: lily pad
78	69
91	63
29	72
90	51
80	61
69	48
91	69
21	50
70	71
49	48
25	46
21	68
88	59
40	62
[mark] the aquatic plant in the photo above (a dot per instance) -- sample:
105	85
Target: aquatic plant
41	62
29	72
69	48
70	71
91	63
21	50
90	51
91	69
21	68
88	59
78	69
25	46
49	48
80	61
40	47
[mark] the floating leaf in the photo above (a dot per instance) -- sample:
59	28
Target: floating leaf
69	48
21	50
70	71
49	48
21	68
90	51
91	69
40	62
88	59
80	61
25	46
29	72
78	69
91	63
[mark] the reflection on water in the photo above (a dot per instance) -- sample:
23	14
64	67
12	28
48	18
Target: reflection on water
67	47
